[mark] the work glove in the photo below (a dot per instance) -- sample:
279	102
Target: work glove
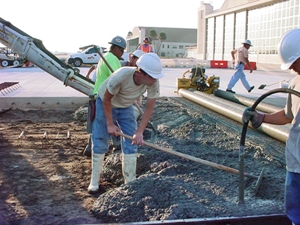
253	116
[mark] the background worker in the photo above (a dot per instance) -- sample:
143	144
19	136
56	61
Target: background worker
115	113
146	47
133	57
92	69
112	57
240	61
289	53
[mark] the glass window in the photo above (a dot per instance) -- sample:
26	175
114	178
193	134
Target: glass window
228	36
219	33
210	39
240	28
262	26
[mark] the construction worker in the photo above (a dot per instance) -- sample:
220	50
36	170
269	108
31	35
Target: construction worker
289	53
115	113
146	47
133	57
92	69
112	57
240	61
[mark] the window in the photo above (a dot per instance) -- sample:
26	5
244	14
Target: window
91	51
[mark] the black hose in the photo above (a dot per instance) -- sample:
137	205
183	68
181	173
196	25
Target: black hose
243	136
277	90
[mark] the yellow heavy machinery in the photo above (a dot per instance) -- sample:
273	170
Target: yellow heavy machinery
197	80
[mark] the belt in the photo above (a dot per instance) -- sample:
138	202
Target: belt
241	63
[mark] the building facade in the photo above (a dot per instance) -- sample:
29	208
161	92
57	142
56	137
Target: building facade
174	46
261	21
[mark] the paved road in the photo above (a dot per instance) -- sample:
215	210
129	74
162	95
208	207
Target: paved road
34	82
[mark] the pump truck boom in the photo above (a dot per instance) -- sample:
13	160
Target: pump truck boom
33	50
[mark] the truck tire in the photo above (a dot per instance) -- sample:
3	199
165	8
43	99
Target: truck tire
4	63
70	61
77	62
16	63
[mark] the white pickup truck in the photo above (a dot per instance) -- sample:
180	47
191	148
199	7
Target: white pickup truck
89	56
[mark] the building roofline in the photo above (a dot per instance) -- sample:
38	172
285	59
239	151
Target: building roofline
242	7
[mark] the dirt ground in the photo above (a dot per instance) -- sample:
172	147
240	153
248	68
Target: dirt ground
44	176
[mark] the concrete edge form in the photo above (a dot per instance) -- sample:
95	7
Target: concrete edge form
29	103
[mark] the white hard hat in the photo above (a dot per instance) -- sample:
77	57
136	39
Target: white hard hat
151	64
289	48
248	42
138	53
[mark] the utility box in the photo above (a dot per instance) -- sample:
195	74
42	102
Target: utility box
183	83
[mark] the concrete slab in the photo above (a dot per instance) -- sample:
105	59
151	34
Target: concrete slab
36	83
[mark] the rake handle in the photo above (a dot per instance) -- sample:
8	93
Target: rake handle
192	158
267	85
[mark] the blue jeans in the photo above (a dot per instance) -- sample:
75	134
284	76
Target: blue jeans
238	75
122	117
292	197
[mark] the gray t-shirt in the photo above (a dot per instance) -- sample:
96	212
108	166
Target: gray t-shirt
121	85
292	150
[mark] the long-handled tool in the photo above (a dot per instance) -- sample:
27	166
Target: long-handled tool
202	161
267	85
102	57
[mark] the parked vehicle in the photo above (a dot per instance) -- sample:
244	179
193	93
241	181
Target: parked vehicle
10	58
87	56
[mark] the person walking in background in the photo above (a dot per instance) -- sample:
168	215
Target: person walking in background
146	47
289	53
240	61
115	113
118	45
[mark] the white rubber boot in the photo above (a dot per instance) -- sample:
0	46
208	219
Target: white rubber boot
129	167
97	165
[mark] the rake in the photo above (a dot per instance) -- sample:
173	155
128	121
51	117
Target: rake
267	85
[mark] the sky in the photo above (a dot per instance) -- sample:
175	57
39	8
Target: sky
67	25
